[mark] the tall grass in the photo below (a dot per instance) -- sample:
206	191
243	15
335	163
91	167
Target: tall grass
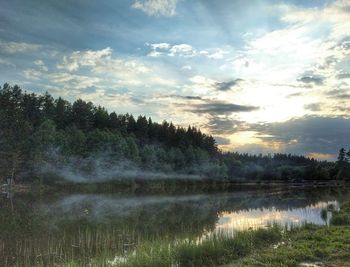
99	248
212	251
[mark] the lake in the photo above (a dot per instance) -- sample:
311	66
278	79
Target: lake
51	229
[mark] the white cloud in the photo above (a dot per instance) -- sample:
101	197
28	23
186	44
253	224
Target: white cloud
160	46
18	47
336	14
186	67
218	54
157	7
41	65
6	62
183	50
155	54
88	58
73	81
32	74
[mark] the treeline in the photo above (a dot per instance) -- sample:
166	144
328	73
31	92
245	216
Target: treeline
38	129
41	134
291	168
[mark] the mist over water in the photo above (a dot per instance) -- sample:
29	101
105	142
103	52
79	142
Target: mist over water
104	167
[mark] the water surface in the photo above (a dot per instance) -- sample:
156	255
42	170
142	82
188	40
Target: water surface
59	228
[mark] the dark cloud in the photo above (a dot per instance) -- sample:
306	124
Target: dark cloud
295	94
314	106
188	97
309	134
225	86
316	80
342	108
220	108
218	125
339	94
345	45
222	140
123	97
344	75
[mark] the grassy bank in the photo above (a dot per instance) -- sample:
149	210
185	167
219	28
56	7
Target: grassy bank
310	244
318	245
212	251
209	252
323	246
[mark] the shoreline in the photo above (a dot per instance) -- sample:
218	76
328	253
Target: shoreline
167	186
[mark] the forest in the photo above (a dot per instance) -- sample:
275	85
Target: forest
53	139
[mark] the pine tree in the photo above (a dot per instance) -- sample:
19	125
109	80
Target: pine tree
342	155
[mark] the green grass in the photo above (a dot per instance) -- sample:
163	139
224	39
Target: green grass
329	245
308	244
342	217
212	251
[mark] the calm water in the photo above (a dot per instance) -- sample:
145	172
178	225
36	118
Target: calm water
54	229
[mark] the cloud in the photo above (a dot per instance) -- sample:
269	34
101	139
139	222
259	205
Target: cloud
74	81
161	46
181	50
186	67
88	58
184	50
18	47
314	106
225	86
41	65
157	7
335	13
311	79
32	74
220	108
121	72
339	94
222	140
6	62
218	54
345	75
221	126
308	134
186	97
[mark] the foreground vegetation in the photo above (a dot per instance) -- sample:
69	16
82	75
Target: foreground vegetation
323	246
320	245
47	139
310	244
213	251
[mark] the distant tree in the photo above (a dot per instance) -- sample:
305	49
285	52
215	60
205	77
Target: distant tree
348	156
142	128
63	113
83	114
48	106
131	123
31	107
342	155
101	118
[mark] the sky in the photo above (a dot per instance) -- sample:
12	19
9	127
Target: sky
261	76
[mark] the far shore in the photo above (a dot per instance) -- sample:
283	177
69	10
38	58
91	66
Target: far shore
166	185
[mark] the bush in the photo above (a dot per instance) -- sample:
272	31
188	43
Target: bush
340	218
